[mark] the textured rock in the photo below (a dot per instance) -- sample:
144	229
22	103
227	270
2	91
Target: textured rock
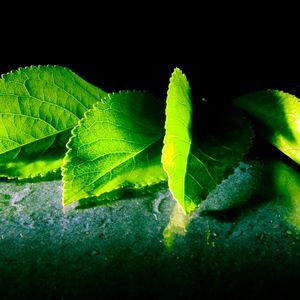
243	242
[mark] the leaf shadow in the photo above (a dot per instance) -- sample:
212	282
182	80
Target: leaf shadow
279	186
274	161
119	195
229	215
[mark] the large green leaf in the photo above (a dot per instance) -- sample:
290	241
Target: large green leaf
196	165
38	108
117	144
278	117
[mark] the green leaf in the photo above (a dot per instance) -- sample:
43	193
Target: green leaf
221	144
278	118
38	108
178	138
116	145
195	166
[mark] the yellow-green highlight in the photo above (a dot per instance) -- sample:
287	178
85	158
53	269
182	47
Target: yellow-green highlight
177	226
287	191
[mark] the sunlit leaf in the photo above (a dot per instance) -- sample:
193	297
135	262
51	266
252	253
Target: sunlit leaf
38	108
116	145
196	165
278	118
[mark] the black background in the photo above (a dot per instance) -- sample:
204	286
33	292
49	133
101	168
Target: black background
217	78
225	50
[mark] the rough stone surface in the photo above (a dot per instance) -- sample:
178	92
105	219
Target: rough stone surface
240	244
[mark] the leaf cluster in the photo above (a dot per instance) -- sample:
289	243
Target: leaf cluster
106	144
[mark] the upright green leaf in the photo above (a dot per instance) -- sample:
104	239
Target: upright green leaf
196	165
278	116
178	138
38	108
117	144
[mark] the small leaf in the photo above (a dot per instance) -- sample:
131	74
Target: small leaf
116	145
196	165
38	108
278	117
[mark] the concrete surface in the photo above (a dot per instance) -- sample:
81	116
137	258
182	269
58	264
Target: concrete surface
243	242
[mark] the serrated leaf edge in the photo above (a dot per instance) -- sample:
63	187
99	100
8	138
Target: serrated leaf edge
39	175
32	67
175	71
37	67
74	135
240	157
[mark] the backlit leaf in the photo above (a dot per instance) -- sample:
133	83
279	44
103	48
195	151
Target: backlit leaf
195	165
278	118
38	108
116	145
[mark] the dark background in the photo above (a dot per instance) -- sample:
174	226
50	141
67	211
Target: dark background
218	78
225	50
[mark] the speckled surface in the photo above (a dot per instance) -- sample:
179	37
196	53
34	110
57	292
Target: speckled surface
244	243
